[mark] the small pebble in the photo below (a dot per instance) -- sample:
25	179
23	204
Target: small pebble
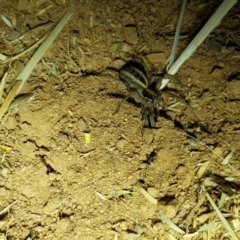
148	136
153	192
227	50
123	226
158	226
169	211
108	225
181	169
133	235
157	61
82	125
233	88
216	73
126	47
11	122
121	143
53	143
215	46
193	142
118	63
4	172
95	21
218	150
131	34
139	229
142	165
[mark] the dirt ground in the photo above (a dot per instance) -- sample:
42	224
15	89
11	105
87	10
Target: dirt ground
62	187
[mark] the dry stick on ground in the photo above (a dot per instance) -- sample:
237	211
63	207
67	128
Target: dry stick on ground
2	85
220	215
202	35
198	39
9	98
26	72
27	50
46	27
8	207
191	214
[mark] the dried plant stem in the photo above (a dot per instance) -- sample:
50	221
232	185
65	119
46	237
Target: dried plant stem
220	215
2	85
26	72
8	207
9	98
201	36
36	44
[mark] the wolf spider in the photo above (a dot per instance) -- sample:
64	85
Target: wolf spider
143	88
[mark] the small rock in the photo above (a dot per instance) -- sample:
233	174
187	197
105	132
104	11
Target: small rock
221	64
169	211
217	72
109	36
39	229
63	136
126	47
139	229
153	192
155	62
181	169
133	235
148	136
82	125
123	226
117	64
218	150
61	93
158	226
121	143
4	172
95	21
53	143
227	50
168	206
215	45
193	142
54	176
51	206
142	165
11	123
108	225
131	34
233	88
172	115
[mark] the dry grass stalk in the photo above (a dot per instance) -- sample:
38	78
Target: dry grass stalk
8	207
19	82
220	215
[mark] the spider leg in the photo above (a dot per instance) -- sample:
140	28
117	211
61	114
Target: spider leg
134	94
184	102
120	105
148	115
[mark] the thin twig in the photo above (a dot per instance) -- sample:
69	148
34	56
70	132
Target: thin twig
8	207
220	215
26	72
36	44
